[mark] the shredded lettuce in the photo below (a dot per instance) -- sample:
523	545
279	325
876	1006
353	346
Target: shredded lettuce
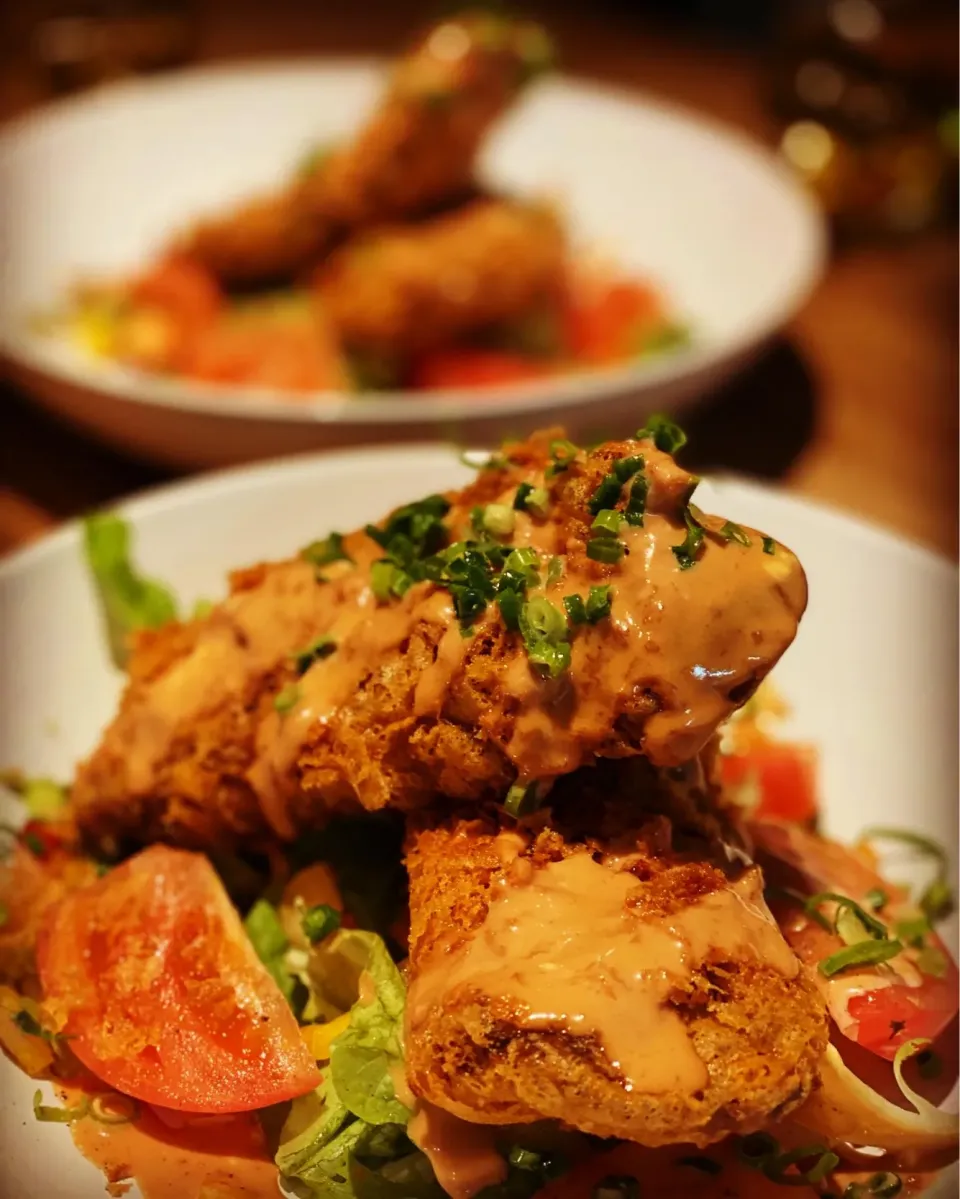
128	600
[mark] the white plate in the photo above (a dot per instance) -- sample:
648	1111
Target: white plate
871	679
95	185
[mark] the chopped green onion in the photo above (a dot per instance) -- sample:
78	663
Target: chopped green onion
665	435
522	799
328	549
937	900
637	500
775	1168
540	620
606	495
553	657
876	899
263	927
609	520
687	551
913	932
319	922
44	798
599	603
521	559
866	923
524	1159
109	1107
387	579
769	545
33	1028
576	609
562	454
732	532
520	499
488	462
884	1185
510	602
605	549
707	1165
864	953
58	1115
498	519
304	658
538	502
616	1186
286	699
625	468
554	571
201	609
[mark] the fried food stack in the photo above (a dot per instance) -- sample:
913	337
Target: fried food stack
533	669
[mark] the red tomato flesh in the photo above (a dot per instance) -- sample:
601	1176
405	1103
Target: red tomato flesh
150	972
474	368
785	776
604	324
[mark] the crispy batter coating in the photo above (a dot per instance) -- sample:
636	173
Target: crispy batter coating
397	291
759	1034
407	706
415	154
420	144
268	239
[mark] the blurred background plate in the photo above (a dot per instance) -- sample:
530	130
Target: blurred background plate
95	185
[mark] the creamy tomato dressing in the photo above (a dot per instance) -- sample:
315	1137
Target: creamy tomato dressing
195	1157
464	1156
564	946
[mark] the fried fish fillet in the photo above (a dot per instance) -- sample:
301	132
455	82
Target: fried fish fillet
415	153
628	981
401	290
428	681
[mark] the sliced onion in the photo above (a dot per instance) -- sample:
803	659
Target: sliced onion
110	1107
846	1112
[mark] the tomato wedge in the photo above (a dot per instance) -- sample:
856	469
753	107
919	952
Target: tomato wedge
878	1007
474	368
150	972
785	776
605	323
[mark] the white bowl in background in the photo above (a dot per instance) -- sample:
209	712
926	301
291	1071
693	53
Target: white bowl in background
93	186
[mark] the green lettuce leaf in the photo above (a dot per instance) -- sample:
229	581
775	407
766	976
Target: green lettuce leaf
128	600
364	1058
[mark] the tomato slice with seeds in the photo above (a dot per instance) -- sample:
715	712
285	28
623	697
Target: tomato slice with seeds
151	974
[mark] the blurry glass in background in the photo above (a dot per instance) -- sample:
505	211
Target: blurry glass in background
868	91
77	44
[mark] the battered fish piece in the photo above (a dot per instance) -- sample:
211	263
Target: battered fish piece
268	239
415	153
619	639
628	982
399	291
420	145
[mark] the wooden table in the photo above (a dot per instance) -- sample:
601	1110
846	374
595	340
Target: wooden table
856	404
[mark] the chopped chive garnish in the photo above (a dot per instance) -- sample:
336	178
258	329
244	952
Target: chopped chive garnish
665	435
387	579
554	571
524	1159
58	1115
319	922
864	953
863	921
624	468
937	900
538	502
637	500
733	532
520	499
605	549
522	799
606	495
609	520
576	609
687	551
884	1185
498	519
599	603
769	545
286	699
304	658
33	1028
328	549
562	454
544	630
510	602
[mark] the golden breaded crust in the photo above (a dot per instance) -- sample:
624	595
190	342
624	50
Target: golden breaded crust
759	1034
399	291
